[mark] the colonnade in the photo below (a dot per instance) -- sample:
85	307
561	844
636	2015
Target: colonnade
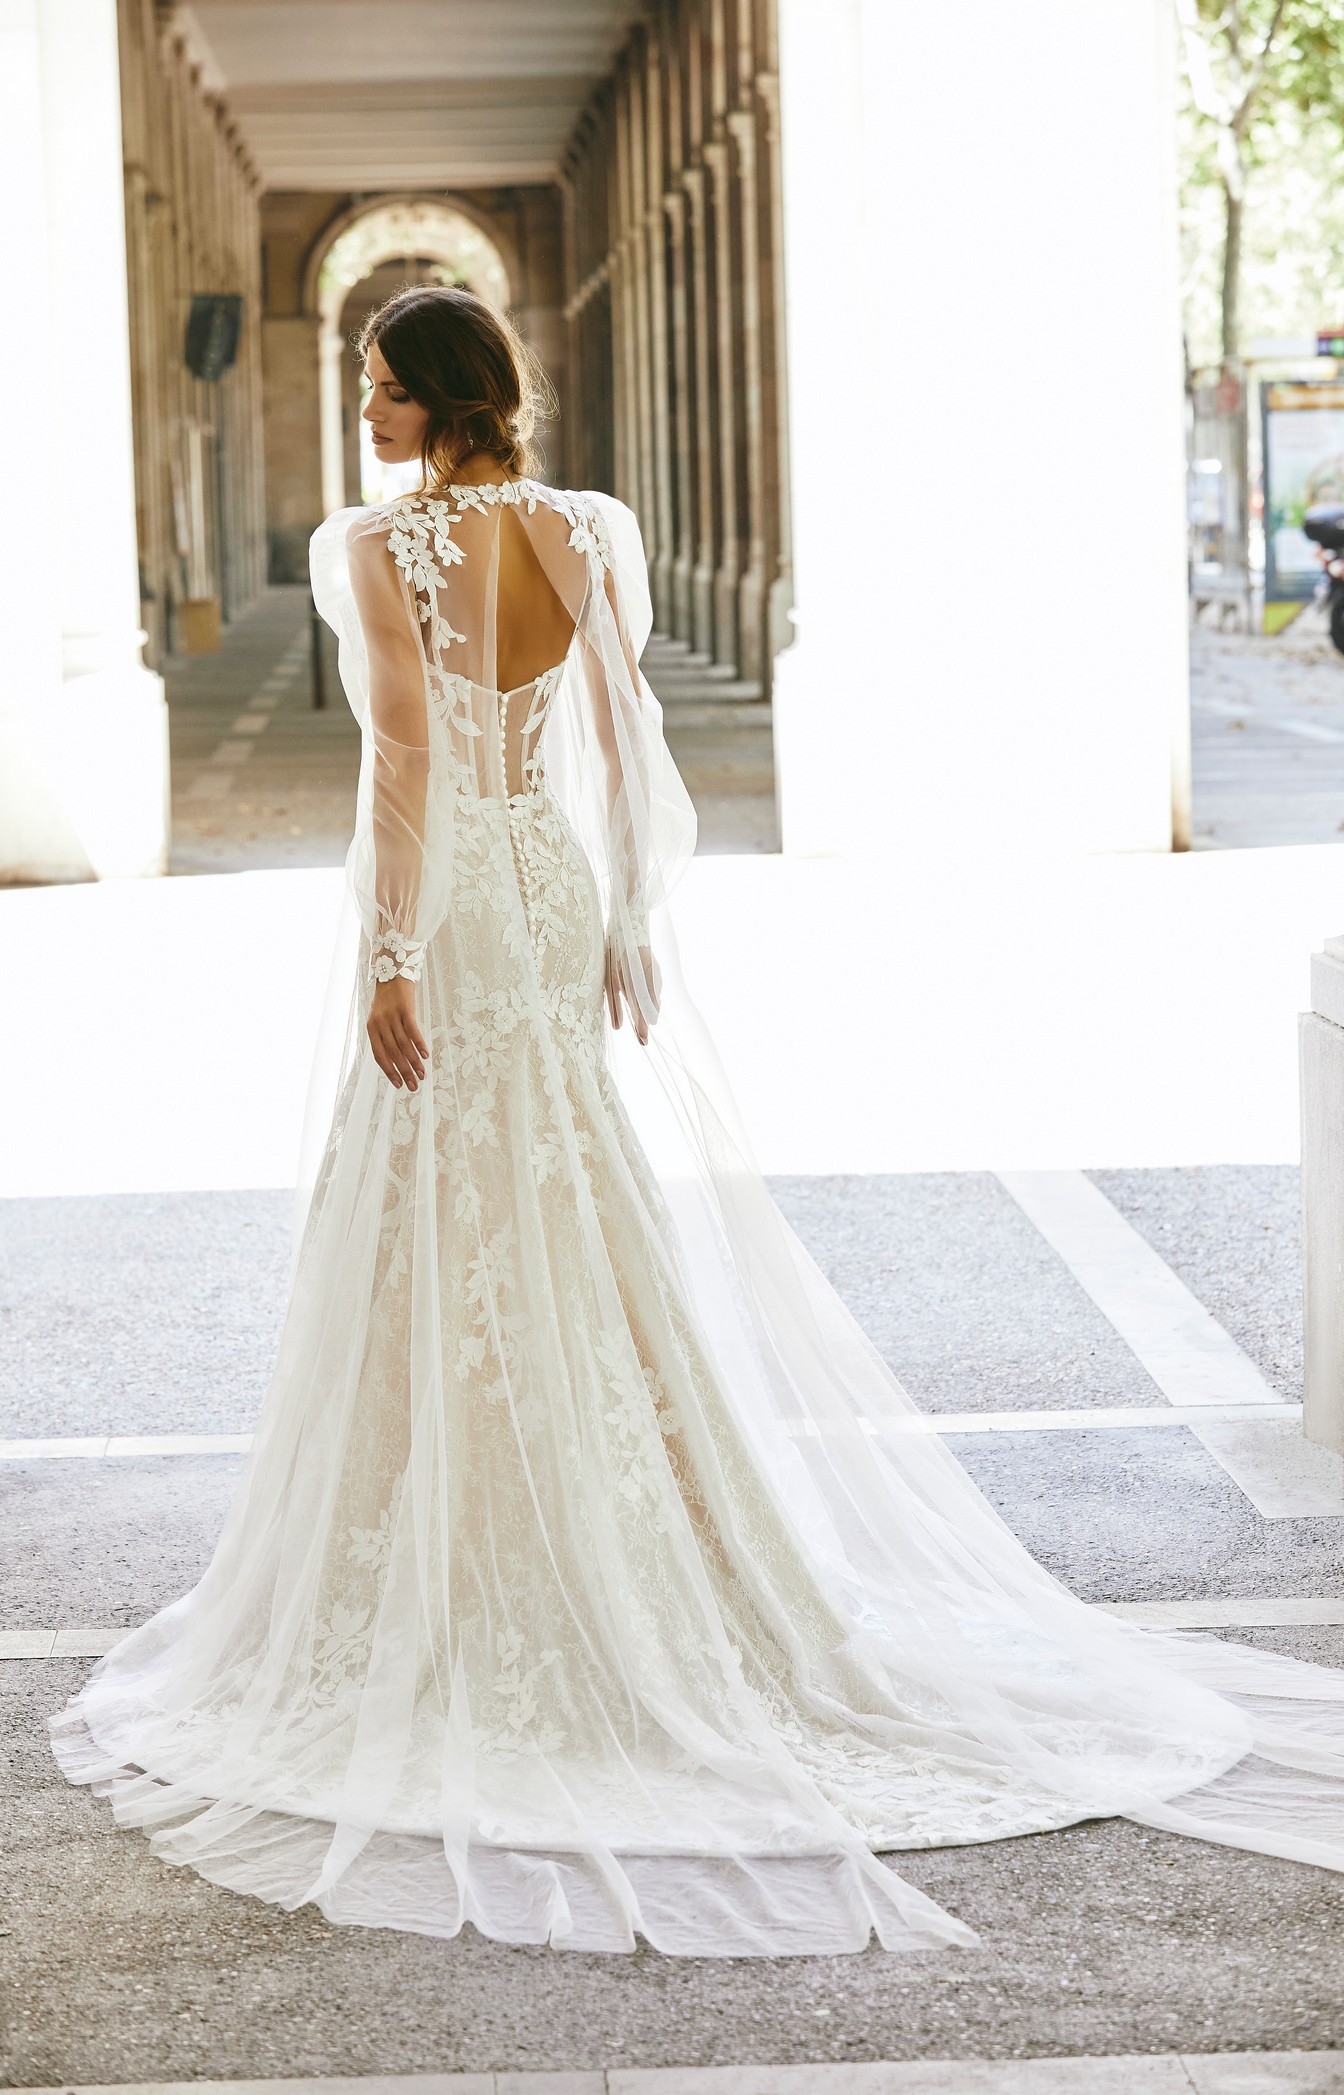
675	314
192	225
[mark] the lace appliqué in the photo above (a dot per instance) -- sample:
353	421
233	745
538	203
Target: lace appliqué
421	543
522	1729
394	955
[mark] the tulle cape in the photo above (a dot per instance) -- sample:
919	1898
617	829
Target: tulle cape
733	1626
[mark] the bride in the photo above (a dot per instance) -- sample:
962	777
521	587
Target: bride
591	1577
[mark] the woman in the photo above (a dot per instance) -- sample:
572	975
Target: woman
591	1576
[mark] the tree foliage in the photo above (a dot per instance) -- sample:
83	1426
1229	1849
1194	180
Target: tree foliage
1259	72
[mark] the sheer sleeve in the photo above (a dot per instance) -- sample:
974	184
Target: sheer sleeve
606	756
399	861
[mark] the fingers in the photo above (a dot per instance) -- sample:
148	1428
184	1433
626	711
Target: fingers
381	1055
399	1058
622	996
410	1057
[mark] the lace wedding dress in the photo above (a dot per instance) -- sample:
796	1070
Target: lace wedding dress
591	1576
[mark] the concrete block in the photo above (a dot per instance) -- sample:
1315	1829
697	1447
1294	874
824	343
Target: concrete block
1327	984
1322	1068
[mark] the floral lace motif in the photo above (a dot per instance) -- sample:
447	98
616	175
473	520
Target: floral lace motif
421	543
394	955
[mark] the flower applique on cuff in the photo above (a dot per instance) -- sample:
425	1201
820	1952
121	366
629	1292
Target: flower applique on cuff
631	926
394	955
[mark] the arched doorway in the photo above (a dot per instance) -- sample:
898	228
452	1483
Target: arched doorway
399	240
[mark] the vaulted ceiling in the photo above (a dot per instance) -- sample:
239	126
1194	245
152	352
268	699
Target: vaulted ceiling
335	94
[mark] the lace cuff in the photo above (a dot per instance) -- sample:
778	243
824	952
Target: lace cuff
394	955
638	920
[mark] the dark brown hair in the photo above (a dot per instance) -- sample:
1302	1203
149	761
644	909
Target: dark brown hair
466	364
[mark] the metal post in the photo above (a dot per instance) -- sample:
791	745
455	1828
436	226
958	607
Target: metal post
318	667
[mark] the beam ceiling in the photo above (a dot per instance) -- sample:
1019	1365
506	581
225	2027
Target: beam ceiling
390	94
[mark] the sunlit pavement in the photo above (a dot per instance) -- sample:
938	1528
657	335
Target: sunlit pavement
1267	726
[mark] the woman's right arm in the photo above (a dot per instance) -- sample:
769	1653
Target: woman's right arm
399	727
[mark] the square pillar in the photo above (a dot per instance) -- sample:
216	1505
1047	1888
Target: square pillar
83	724
1321	1039
986	401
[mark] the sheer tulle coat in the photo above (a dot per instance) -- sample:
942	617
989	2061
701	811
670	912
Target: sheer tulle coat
591	1576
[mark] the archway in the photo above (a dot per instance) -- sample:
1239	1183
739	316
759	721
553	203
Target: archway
432	242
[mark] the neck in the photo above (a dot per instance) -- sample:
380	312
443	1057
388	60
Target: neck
478	469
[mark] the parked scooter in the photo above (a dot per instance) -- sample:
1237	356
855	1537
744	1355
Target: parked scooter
1324	526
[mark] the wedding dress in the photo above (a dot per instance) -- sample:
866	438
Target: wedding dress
591	1577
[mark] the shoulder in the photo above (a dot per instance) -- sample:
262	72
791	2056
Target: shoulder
376	522
407	534
603	512
590	502
616	528
610	506
352	531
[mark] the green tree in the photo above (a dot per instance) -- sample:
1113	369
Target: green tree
1248	62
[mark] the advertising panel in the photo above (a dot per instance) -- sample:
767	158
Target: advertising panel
1303	465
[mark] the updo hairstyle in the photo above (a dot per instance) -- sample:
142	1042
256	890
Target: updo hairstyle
466	364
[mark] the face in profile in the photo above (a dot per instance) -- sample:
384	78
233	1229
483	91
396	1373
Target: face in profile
397	423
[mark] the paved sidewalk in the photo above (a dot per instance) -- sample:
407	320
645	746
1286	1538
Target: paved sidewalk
158	1313
1267	729
261	777
1259	2073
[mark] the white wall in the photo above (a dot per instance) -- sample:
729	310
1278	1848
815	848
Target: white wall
83	725
985	405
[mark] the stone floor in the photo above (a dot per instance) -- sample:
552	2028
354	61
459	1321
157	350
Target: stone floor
159	1314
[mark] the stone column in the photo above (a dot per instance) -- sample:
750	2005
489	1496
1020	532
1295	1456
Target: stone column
683	424
702	353
625	351
634	240
727	573
661	551
576	443
915	715
751	643
774	361
84	727
1321	1043
290	361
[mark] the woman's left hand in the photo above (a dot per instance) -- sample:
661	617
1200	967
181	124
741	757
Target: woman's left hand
398	1044
640	1000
